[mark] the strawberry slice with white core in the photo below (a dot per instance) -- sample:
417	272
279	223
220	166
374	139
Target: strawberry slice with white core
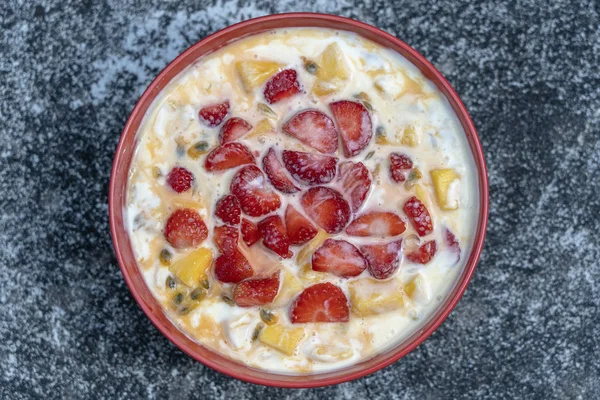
356	182
232	267
277	173
424	253
227	156
234	128
314	129
323	302
353	124
214	114
250	186
282	86
275	236
338	257
383	259
327	208
452	243
377	224
299	229
308	168
256	292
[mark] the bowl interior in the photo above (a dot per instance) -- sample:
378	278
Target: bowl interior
125	152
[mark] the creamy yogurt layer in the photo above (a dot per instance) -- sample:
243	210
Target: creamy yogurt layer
356	219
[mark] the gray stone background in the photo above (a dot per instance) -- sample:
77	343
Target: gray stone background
70	73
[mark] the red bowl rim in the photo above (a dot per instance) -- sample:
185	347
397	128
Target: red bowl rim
304	19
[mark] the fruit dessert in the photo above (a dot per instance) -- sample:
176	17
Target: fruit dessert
301	200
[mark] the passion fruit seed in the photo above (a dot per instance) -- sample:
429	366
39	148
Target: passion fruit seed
185	309
205	284
198	294
259	327
380	131
310	66
171	283
268	317
156	173
413	176
165	257
198	149
369	155
178	298
265	109
228	300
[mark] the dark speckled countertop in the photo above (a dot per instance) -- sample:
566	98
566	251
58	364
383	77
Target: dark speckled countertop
70	73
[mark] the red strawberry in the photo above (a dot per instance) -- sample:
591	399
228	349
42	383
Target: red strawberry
250	232
419	216
281	86
424	253
383	259
214	114
180	179
377	223
323	302
354	125
276	173
340	258
400	165
250	187
356	182
232	267
226	238
299	229
185	228
308	168
274	235
327	208
256	292
228	209
452	243
233	129
228	155
314	129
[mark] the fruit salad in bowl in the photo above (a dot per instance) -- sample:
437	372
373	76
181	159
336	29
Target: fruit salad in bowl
301	200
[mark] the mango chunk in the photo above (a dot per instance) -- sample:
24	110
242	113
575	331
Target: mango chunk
446	185
370	297
331	73
290	288
418	289
264	126
191	269
409	137
283	339
305	254
254	73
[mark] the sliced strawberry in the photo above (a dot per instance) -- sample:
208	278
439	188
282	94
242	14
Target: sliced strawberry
185	228
281	86
308	168
299	229
314	129
419	216
228	155
356	182
250	187
180	179
424	253
323	302
274	236
377	223
383	259
340	258
232	267
276	173
214	114
226	238
452	243
354	125
234	128
256	292
250	232
327	208
400	166
228	209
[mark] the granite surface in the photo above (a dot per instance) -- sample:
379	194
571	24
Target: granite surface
71	71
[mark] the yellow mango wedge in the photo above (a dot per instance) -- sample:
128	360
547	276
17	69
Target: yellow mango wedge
253	73
191	269
443	180
331	74
283	339
371	297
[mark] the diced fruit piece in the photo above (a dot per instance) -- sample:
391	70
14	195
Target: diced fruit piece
400	165
331	72
254	73
228	155
424	253
226	238
232	267
314	129
277	174
274	236
250	233
234	128
214	114
268	317
308	168
290	287
418	289
323	302
377	223
256	292
267	111
409	137
250	187
327	208
282	86
191	269
413	177
354	125
445	182
355	181
197	149
305	254
338	257
180	179
371	297
452	243
381	137
263	127
185	228
283	339
419	216
299	229
228	209
383	259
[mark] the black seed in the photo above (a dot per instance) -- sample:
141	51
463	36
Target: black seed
257	330
197	294
180	150
369	155
206	284
228	300
178	298
380	131
171	283
165	257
